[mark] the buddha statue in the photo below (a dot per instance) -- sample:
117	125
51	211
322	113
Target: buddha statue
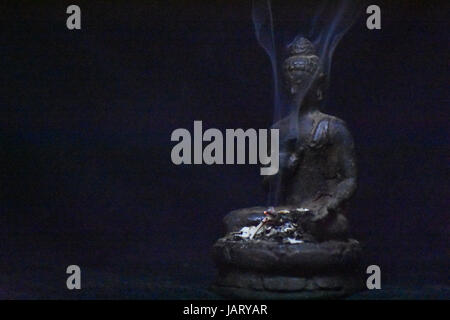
317	161
300	248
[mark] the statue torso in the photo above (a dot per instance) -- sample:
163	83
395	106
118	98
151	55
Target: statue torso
315	174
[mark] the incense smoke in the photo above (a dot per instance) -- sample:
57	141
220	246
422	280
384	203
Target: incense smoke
324	23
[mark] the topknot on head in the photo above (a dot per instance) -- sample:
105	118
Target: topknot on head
301	46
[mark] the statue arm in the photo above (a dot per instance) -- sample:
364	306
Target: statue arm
345	153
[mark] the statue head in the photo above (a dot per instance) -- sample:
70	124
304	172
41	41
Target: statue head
302	70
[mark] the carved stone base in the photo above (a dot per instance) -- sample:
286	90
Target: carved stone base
269	270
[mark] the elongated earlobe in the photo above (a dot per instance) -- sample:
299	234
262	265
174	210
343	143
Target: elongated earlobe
319	94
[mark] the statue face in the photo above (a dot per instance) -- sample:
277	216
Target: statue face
299	72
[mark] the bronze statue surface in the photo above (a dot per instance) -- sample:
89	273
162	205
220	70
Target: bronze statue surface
317	161
300	248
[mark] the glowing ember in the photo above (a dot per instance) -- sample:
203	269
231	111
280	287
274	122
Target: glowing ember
279	225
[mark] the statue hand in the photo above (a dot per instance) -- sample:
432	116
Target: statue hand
292	161
333	204
320	214
325	210
294	158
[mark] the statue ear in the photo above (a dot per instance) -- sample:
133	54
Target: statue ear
319	94
320	85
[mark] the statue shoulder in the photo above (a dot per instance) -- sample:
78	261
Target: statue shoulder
322	129
339	131
331	129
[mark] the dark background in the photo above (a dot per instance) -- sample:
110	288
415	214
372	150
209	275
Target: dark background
86	119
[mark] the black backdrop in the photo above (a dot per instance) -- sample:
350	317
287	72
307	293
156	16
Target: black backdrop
86	118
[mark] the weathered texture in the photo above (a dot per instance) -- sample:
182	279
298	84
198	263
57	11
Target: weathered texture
262	286
268	256
265	269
